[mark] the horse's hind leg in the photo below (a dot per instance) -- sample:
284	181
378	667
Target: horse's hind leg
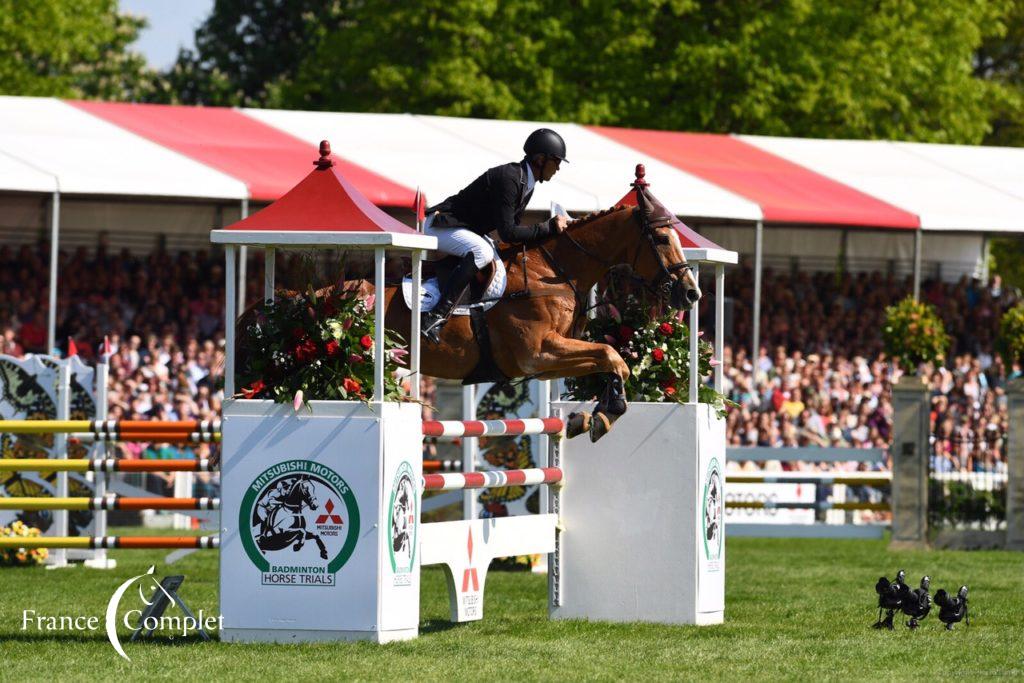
319	544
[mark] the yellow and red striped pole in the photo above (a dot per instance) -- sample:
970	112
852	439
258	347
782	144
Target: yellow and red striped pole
109	503
95	542
104	465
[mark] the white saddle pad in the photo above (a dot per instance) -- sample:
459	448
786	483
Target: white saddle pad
430	291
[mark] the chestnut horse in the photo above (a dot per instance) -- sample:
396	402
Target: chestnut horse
534	329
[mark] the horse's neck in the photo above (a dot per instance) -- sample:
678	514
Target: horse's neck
605	243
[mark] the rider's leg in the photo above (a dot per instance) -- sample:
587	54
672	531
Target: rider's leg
476	253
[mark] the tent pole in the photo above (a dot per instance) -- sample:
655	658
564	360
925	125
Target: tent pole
51	324
243	260
758	257
917	264
986	253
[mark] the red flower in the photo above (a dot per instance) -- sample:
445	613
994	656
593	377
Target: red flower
355	358
333	348
670	382
666	328
658	355
254	389
351	386
306	350
670	391
625	333
366	342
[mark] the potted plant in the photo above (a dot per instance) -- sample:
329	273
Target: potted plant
914	334
314	347
657	351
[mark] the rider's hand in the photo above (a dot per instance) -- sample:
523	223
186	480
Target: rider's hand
558	224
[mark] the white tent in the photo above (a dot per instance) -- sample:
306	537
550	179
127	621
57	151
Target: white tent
90	156
409	150
944	197
603	168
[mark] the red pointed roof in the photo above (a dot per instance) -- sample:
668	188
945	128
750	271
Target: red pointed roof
690	238
323	209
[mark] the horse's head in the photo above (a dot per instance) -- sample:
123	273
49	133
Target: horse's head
659	259
302	492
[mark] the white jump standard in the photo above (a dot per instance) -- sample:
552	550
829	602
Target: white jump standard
321	537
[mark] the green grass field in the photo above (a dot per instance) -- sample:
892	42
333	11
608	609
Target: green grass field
795	609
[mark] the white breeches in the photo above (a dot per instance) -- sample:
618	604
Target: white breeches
461	241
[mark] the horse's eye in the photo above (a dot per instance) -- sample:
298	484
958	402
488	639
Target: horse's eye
660	239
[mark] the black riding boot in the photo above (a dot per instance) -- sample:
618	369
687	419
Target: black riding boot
432	321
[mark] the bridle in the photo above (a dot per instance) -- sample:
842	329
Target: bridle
663	284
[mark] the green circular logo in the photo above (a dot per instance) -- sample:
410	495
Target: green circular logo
404	511
714	512
299	516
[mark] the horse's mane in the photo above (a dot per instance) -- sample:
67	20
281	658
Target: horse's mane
591	217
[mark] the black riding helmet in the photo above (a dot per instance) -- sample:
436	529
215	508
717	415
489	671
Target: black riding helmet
545	141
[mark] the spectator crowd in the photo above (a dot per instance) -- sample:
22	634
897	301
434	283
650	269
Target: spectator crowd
820	377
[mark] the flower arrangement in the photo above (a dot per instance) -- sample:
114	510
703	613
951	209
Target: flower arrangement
658	355
914	334
315	346
21	556
1011	334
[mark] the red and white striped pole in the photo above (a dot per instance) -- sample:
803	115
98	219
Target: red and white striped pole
451	429
457	481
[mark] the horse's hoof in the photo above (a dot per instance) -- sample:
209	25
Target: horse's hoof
323	554
599	427
578	423
297	547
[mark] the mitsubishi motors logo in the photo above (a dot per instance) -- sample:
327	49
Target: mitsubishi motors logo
469	576
334	519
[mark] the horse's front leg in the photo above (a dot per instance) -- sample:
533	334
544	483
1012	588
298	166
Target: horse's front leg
564	357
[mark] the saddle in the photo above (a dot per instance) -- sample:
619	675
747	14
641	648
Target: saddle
484	292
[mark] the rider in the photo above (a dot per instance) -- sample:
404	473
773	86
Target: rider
495	200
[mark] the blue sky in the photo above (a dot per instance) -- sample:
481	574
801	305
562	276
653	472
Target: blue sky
172	24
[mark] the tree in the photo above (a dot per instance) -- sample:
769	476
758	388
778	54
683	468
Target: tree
891	69
71	48
246	47
1000	59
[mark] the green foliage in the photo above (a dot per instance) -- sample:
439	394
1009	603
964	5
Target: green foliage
1011	334
799	67
657	353
1000	59
71	48
958	503
246	48
321	345
1007	260
914	334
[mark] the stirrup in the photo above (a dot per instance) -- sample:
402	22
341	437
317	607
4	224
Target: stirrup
432	324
